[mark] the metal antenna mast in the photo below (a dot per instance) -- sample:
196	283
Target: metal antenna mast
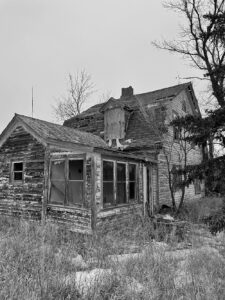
32	102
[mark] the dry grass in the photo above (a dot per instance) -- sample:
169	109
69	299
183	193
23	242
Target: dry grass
35	260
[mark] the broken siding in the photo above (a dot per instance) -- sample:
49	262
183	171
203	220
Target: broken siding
21	146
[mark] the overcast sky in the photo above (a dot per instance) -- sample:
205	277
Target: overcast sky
43	40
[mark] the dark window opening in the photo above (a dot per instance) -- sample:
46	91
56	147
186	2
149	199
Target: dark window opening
132	181
108	183
176	133
18	171
76	182
184	107
121	195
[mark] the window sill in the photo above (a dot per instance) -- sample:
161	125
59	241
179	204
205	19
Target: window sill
65	207
111	207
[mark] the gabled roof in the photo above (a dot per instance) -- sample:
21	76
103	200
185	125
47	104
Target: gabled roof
138	130
168	93
50	133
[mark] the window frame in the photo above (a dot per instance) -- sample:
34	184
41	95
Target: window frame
132	181
13	180
127	182
66	175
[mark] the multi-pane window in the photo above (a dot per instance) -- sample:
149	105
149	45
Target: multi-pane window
119	182
17	171
67	182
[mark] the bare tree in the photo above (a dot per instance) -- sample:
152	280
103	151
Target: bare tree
80	87
202	40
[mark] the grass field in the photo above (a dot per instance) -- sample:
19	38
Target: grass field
41	262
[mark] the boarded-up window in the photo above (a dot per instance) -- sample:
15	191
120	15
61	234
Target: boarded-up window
17	171
76	182
108	183
58	182
114	120
132	181
121	183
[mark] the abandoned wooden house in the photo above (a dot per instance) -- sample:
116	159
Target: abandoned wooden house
103	164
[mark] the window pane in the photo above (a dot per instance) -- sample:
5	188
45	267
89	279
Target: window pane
18	176
18	166
121	172
107	170
76	169
75	193
58	170
132	190
132	172
57	193
108	194
121	192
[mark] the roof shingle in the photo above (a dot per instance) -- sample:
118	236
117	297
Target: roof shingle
51	131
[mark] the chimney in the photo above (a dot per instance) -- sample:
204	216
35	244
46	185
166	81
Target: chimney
127	92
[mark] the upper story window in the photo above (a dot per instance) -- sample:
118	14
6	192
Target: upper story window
176	131
17	171
184	106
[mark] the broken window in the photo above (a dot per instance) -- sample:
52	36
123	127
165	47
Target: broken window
76	182
58	182
132	181
18	169
108	183
121	195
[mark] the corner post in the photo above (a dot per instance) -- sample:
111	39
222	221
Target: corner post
93	204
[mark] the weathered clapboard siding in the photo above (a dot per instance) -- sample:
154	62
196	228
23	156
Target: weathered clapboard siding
21	146
23	209
119	215
75	217
24	199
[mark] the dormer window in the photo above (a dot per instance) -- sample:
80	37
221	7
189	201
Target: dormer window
114	121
